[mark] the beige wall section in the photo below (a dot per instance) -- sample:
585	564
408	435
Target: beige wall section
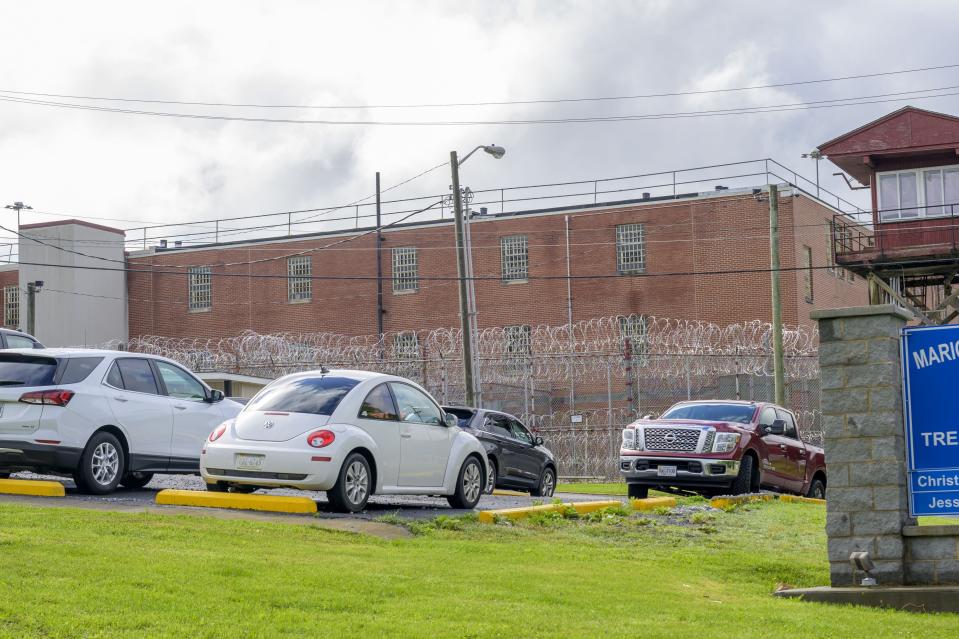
76	306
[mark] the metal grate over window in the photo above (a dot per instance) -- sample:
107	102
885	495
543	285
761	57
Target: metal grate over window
518	342
11	306
405	270
514	250
635	329
299	271
630	248
201	288
406	346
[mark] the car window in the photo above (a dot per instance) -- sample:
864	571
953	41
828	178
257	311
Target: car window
137	375
379	405
414	406
718	412
520	432
313	395
498	425
787	417
18	341
26	370
77	369
767	417
114	378
180	384
463	415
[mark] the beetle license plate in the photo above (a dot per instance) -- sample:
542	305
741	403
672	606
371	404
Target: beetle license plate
666	471
248	462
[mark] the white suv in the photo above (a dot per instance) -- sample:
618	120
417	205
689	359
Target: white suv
106	418
350	433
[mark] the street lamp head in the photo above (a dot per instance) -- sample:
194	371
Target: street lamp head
496	151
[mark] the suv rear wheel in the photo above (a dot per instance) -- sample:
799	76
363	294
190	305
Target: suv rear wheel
101	465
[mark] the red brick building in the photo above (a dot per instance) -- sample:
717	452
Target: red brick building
648	257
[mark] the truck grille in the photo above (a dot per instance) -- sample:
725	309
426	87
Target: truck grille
674	439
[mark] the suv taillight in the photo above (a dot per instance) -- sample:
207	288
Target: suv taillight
49	397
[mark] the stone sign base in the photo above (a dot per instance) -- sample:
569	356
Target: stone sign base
910	598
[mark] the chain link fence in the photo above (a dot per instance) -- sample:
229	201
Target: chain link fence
576	385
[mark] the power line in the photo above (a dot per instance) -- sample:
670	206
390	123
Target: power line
774	108
642	96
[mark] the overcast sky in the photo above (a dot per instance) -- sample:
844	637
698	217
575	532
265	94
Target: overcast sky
156	169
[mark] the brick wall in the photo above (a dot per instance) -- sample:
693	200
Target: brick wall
716	233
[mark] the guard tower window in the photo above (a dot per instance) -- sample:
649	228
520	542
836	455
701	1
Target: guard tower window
906	195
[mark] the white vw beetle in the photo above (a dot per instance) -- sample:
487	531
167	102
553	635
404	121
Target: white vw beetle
350	433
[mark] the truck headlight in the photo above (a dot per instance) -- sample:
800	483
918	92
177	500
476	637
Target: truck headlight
629	438
726	442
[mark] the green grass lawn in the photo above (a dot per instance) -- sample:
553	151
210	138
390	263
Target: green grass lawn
72	573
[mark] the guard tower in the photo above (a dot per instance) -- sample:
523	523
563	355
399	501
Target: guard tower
909	250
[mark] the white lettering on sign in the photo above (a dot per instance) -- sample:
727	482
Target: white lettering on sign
939	354
943	503
945	481
941	438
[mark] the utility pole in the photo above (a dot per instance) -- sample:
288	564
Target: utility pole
461	269
32	289
18	206
779	381
379	263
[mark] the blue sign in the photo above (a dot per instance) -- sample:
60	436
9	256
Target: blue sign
930	367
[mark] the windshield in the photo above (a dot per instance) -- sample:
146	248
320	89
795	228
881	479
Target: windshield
740	413
26	370
316	395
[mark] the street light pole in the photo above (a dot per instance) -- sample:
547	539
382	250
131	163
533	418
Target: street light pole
461	274
18	206
463	270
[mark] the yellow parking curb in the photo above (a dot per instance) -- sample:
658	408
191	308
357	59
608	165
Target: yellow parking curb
34	487
802	500
582	507
268	503
652	503
509	493
732	500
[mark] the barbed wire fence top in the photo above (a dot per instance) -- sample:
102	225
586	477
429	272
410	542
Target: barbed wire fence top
577	385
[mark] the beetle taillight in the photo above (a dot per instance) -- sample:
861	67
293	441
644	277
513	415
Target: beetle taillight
218	432
320	438
48	397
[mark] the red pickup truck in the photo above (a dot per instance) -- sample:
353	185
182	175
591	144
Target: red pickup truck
721	447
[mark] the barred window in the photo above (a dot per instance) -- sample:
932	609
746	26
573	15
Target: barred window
11	306
299	271
518	340
515	258
406	346
201	287
630	248
405	272
634	328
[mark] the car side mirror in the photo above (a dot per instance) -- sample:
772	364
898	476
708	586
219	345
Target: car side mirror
215	396
538	440
778	427
450	420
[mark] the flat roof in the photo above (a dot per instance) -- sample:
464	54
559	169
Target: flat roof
100	227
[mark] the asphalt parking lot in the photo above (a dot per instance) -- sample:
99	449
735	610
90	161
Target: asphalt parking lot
405	506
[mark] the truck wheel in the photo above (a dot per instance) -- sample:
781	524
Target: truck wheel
635	491
742	483
817	490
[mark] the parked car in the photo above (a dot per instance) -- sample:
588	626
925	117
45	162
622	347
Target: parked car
716	447
517	458
349	433
17	339
106	418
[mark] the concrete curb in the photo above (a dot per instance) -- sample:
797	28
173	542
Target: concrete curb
267	503
652	503
509	493
736	500
581	507
34	487
802	500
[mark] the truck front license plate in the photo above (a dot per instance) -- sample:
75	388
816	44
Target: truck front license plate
666	471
